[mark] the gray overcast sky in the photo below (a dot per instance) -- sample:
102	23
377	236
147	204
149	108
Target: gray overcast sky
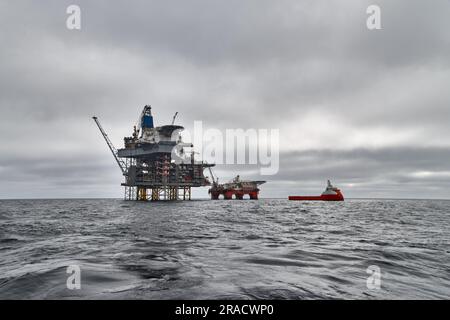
368	109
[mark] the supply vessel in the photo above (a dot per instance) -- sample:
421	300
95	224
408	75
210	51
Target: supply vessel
331	193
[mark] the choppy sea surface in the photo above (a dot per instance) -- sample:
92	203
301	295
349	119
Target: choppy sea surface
266	249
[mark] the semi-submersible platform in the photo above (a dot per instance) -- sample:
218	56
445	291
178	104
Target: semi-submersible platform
147	161
157	166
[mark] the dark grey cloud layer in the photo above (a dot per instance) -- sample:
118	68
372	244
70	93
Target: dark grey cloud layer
369	109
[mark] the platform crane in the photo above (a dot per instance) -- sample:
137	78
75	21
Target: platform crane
215	181
174	117
121	164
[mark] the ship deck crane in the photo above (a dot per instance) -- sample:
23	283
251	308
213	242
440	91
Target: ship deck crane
121	164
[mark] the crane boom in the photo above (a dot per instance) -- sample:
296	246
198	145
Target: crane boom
121	164
174	117
212	176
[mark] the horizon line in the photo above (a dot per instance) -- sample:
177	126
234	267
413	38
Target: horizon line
261	198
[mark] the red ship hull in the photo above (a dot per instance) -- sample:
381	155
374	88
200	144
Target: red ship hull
325	197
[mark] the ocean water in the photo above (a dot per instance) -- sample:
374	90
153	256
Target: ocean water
266	249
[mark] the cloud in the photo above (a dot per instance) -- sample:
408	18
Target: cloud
373	101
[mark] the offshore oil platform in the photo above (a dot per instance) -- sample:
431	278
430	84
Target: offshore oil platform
154	161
